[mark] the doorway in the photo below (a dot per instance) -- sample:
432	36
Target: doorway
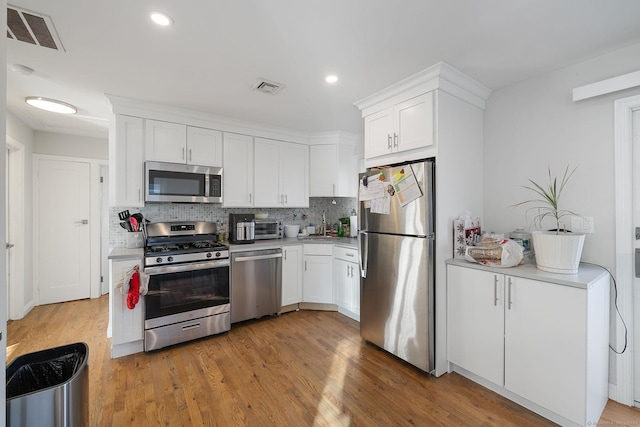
18	300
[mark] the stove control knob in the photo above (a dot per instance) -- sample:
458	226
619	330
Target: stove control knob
209	255
170	259
158	260
218	254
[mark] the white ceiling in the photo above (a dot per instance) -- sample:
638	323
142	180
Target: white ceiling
217	49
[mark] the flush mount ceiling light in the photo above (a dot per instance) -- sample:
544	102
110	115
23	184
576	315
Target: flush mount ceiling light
161	19
332	78
52	105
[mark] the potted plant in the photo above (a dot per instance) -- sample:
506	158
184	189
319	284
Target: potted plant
557	250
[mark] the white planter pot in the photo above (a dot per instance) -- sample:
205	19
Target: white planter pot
557	253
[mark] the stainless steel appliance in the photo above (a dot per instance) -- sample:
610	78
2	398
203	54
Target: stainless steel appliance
396	259
268	229
242	228
177	182
188	295
256	284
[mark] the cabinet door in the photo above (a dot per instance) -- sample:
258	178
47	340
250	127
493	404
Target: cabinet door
414	123
126	325
317	285
378	133
204	146
126	168
545	345
323	170
475	325
267	174
238	170
294	175
165	142
343	295
291	275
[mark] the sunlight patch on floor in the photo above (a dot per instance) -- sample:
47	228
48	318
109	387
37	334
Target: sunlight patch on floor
11	350
330	406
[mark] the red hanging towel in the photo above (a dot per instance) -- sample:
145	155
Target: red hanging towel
134	290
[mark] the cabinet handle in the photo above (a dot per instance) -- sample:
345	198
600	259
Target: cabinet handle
509	302
395	140
249	197
348	271
286	200
334	190
389	141
351	266
495	290
183	157
139	195
285	254
190	154
305	266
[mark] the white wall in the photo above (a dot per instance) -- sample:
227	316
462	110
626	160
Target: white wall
59	144
535	124
25	135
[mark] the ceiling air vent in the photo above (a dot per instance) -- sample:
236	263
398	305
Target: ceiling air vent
31	27
267	87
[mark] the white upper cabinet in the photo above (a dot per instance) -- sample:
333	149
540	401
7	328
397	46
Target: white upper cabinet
238	171
333	171
281	174
126	165
204	146
405	126
178	143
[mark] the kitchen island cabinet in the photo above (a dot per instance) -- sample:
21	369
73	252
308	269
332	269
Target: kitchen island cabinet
291	275
126	326
537	338
179	143
126	168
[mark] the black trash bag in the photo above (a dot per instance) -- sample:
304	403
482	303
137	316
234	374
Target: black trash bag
43	374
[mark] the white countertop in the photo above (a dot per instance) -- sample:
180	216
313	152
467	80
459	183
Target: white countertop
126	253
587	273
351	242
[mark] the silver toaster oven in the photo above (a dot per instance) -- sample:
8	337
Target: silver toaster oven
268	229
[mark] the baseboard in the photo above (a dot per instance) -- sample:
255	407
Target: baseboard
318	306
120	350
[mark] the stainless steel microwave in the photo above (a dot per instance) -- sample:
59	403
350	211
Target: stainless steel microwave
181	183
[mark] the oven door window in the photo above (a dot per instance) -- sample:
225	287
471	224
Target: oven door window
173	293
169	183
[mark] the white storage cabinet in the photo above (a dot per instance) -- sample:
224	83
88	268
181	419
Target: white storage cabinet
127	326
346	280
317	280
538	341
238	171
291	275
333	171
126	167
179	143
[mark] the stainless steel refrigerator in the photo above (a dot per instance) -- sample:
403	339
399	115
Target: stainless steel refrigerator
396	240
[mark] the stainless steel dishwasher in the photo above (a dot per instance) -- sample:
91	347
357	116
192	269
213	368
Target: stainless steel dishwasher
256	284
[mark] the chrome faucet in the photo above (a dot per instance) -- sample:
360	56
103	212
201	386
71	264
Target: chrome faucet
324	223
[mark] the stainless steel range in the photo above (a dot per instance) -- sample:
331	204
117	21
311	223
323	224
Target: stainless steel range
188	295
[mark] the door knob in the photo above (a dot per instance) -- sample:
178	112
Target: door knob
83	221
10	245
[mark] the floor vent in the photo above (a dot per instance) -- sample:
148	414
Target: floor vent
267	86
33	28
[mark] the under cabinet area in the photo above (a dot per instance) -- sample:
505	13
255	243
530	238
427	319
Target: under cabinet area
178	143
346	281
537	338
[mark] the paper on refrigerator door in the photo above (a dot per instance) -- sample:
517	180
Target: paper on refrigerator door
406	186
373	190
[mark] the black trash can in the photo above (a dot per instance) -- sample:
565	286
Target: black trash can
49	388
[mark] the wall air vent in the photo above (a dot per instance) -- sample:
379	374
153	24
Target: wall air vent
267	86
33	28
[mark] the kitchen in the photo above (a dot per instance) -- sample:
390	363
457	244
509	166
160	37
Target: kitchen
497	144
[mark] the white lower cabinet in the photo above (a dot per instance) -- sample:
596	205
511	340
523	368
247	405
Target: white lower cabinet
291	275
544	341
127	326
317	280
346	281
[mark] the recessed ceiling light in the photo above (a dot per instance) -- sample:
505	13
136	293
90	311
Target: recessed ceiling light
161	19
331	78
51	105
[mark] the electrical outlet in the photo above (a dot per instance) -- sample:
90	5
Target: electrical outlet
582	224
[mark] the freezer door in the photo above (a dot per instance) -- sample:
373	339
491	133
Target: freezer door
416	218
396	297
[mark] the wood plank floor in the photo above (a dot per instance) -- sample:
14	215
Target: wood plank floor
306	368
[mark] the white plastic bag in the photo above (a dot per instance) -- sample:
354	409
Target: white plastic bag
506	253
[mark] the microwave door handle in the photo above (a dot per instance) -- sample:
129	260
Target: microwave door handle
206	185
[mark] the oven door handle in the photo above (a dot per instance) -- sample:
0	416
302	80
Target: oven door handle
186	267
256	257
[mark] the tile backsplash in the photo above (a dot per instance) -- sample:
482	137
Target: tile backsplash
160	212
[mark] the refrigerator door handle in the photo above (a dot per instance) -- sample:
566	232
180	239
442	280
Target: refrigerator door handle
363	238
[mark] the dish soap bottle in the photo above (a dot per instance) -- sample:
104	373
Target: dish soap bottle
340	233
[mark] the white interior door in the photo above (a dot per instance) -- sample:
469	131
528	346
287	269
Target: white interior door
636	222
63	234
7	229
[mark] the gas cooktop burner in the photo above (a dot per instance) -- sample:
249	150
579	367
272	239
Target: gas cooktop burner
184	247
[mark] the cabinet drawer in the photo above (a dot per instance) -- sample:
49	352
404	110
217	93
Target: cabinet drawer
318	249
346	254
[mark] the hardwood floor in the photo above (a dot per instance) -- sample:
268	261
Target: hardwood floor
306	368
